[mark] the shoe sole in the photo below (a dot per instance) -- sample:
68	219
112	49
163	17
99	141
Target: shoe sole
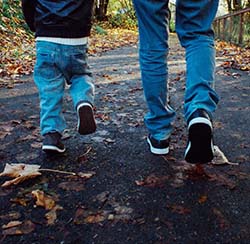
86	121
52	149
200	146
158	151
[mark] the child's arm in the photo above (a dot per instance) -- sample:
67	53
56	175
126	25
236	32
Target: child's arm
28	7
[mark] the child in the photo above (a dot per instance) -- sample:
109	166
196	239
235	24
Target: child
61	30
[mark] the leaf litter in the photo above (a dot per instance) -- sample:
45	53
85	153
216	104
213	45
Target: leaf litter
22	172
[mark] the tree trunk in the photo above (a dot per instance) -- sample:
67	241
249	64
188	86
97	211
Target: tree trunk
101	8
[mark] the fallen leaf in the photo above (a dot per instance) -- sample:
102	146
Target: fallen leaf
43	200
20	172
179	209
94	218
85	175
222	180
152	181
79	216
11	224
122	213
5	129
90	217
25	228
51	216
220	158
72	186
11	216
202	199
20	201
223	222
103	197
84	157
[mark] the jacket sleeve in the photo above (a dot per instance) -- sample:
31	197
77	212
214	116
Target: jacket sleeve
28	8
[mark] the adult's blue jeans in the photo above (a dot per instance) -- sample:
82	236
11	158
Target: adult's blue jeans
57	65
193	26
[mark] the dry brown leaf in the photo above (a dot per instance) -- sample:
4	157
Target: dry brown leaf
51	216
153	181
20	200
20	172
72	186
202	199
10	216
86	175
25	228
220	158
12	224
96	217
43	200
86	216
179	209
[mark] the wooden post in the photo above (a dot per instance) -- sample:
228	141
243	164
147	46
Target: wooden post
241	32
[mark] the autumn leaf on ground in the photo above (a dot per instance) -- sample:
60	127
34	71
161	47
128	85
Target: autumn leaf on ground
51	216
5	129
179	209
223	222
20	172
24	228
11	224
152	181
72	186
220	158
202	199
49	203
43	200
10	216
236	57
222	180
23	172
90	217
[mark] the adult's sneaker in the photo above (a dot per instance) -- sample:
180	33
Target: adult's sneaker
86	121
200	147
52	143
159	147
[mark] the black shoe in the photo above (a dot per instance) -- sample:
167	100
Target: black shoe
52	143
158	147
86	121
200	147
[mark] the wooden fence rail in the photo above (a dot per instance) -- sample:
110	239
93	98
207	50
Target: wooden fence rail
234	27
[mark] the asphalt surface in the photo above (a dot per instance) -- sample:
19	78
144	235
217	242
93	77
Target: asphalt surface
133	196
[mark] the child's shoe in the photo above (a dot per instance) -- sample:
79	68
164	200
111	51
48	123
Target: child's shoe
52	143
86	121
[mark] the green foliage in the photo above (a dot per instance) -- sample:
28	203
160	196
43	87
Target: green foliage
122	14
99	30
11	13
122	20
172	26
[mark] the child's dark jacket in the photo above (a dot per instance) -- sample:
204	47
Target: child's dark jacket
59	18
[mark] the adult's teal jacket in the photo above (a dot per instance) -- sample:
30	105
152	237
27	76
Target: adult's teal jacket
59	18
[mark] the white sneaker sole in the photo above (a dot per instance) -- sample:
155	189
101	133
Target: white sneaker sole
50	148
158	151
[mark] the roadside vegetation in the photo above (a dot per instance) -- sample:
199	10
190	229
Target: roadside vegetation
114	25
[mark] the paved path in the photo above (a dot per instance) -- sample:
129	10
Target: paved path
133	197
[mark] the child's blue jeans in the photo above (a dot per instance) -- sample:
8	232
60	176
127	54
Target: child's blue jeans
55	65
193	26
